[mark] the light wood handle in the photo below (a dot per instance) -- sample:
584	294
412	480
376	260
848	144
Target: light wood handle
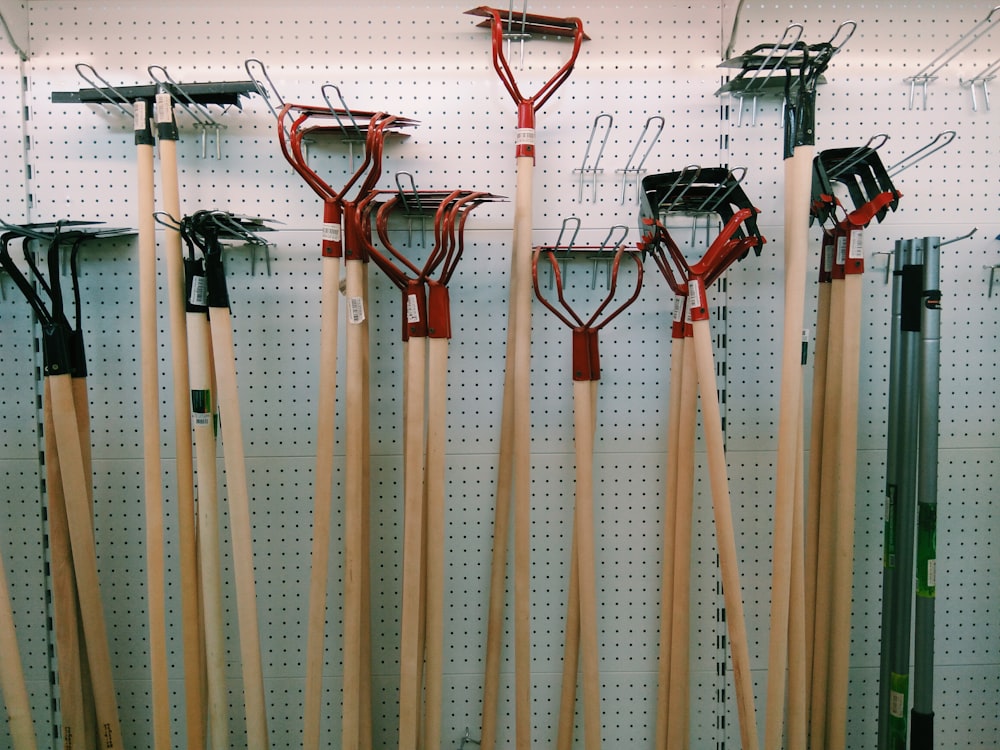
798	173
679	713
437	416
725	535
410	654
81	532
209	548
322	504
240	528
12	684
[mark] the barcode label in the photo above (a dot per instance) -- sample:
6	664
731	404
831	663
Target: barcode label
694	294
524	137
855	247
678	309
356	310
841	250
932	573
201	420
896	704
199	291
139	115
331	232
412	309
164	108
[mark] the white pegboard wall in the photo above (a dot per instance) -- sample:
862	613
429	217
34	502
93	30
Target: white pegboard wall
429	62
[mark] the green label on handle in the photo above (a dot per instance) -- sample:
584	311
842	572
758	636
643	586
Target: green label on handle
899	686
926	550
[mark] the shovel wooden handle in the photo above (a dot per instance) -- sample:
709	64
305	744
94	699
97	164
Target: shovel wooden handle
69	648
193	647
437	412
322	505
85	559
241	528
12	684
411	656
725	535
679	711
798	171
209	548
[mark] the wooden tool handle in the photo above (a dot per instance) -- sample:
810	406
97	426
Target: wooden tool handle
437	415
841	589
410	653
679	712
825	510
522	452
184	454
725	535
322	505
663	683
12	684
85	559
354	498
240	529
798	172
210	554
69	649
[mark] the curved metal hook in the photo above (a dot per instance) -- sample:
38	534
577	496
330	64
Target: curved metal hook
121	104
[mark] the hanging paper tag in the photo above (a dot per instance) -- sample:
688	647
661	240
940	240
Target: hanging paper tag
356	310
412	309
678	309
896	704
199	292
694	294
841	250
855	246
331	232
139	115
164	108
524	137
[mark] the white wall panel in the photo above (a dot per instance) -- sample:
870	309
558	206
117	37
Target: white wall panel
429	62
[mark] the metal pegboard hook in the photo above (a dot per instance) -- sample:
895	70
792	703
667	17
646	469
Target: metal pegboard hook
198	112
982	79
121	103
785	45
929	72
570	221
409	197
847	29
631	172
965	236
606	252
265	92
922	153
590	172
353	134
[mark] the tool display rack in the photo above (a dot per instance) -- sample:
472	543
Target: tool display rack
429	62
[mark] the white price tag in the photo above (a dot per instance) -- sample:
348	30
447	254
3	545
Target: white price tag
678	309
412	309
841	250
164	108
331	232
199	291
524	137
201	420
855	250
932	573
356	310
896	704
694	294
139	115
